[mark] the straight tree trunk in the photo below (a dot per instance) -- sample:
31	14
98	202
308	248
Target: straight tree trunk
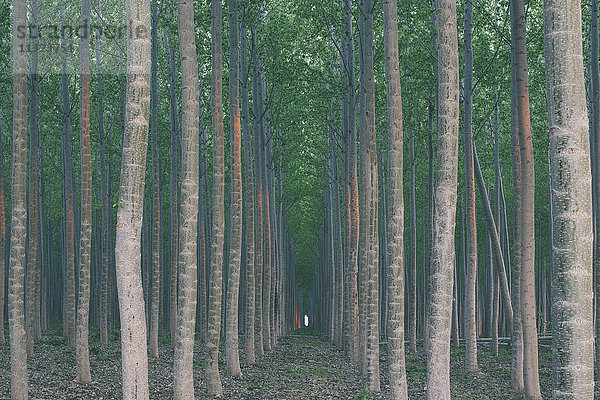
2	241
33	266
16	272
353	209
231	330
155	284
471	260
130	207
527	239
249	198
412	318
572	291
395	315
440	306
216	281
85	243
183	371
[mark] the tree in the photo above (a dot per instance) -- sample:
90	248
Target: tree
216	280
572	298
18	192
155	298
442	266
397	367
527	201
471	231
130	205
231	329
183	370
85	244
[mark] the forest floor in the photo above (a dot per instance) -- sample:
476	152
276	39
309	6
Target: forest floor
304	365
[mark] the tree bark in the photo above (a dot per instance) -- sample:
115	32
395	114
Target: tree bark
216	281
527	193
85	238
395	271
16	272
129	214
231	330
572	291
440	306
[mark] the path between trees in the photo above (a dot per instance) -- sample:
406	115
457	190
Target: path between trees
304	365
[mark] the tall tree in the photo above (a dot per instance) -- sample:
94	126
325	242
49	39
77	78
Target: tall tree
183	370
442	276
2	241
155	291
249	198
216	281
18	192
130	205
395	272
85	238
33	237
527	196
231	329
572	291
471	231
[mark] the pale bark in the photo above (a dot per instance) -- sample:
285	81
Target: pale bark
412	318
249	198
232	353
441	270
471	219
2	241
397	368
85	239
216	277
572	289
130	205
18	229
183	371
527	238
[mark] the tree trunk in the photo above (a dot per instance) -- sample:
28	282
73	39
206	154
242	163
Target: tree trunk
129	214
412	318
441	270
395	271
249	198
2	240
183	371
572	292
471	260
216	280
155	284
527	193
85	243
231	330
16	273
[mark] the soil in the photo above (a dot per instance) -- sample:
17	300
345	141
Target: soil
303	365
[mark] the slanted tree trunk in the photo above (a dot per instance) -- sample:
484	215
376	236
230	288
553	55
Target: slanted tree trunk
231	330
85	238
440	306
130	206
216	280
527	194
183	371
397	368
572	292
18	229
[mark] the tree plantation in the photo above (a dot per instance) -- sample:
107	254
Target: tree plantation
298	199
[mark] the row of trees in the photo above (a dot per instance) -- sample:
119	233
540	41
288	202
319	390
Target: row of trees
165	268
449	285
